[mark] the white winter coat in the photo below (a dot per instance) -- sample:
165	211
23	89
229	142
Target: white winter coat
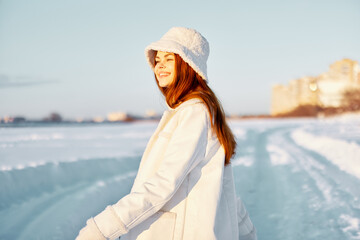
182	190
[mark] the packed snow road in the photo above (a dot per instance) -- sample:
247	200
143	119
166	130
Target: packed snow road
299	179
294	192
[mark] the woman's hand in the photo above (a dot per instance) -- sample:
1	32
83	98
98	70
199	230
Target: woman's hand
90	232
85	234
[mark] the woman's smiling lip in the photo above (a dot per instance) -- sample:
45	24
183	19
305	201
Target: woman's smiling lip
163	74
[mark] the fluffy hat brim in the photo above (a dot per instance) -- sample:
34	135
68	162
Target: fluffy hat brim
167	45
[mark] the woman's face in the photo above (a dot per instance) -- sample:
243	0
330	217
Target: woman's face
164	68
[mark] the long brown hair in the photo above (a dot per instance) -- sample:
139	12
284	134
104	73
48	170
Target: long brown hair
187	85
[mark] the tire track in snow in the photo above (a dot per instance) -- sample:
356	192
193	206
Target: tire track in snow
268	186
292	193
294	222
339	191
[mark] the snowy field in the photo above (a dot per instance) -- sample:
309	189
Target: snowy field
299	179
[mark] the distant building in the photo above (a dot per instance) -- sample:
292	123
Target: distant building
150	113
302	91
98	119
342	75
118	117
79	119
325	90
9	119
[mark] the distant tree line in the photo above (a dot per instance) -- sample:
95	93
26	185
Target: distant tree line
53	117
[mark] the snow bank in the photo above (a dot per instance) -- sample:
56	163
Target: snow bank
246	161
351	225
22	148
345	117
346	155
277	155
239	133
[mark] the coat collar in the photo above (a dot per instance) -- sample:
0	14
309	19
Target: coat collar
186	103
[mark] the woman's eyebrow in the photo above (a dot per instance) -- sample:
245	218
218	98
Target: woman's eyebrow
166	55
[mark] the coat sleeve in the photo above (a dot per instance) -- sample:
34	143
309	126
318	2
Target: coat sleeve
186	148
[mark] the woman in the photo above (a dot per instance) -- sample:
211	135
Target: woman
184	187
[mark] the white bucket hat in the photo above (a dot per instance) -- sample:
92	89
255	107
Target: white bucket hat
192	47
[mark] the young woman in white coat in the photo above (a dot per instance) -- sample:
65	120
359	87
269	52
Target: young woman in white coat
184	188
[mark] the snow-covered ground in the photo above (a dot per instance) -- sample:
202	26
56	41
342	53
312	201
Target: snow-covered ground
299	178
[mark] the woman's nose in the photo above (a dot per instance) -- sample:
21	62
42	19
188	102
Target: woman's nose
161	65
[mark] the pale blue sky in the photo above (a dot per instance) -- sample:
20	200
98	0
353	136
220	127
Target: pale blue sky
86	58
